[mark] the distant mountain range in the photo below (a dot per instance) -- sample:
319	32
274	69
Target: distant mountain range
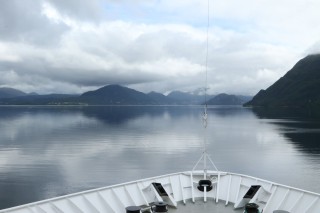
116	95
299	87
6	92
225	99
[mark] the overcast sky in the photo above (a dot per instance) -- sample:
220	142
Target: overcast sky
71	46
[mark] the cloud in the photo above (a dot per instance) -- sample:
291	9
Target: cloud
6	54
314	48
113	52
24	22
152	45
80	10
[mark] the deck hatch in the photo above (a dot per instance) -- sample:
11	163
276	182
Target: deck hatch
252	191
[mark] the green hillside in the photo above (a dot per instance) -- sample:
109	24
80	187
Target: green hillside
299	87
116	95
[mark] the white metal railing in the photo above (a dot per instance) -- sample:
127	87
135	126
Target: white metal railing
229	187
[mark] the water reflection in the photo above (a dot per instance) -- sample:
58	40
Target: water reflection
67	149
284	112
50	151
119	115
123	114
301	129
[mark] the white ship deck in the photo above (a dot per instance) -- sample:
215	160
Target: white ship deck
229	194
208	207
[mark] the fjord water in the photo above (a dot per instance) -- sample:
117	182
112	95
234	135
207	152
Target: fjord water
51	151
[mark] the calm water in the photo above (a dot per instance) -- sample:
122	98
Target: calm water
50	151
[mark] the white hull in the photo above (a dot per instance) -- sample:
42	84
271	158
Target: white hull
180	187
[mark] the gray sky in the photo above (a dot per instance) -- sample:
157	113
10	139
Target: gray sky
71	46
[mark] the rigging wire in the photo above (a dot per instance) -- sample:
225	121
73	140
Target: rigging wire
205	115
207	53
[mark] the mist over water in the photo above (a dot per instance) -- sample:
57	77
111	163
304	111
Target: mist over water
51	151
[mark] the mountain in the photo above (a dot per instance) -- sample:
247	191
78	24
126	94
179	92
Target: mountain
6	92
179	97
116	95
112	95
160	98
51	99
245	98
32	93
225	99
299	87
